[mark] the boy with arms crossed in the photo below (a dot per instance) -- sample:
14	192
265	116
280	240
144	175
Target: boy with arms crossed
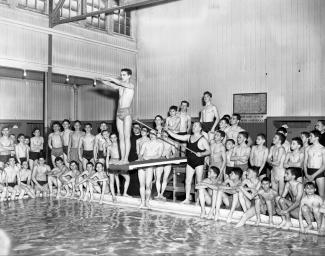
258	156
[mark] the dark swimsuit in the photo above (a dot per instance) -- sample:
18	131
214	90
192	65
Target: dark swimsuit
65	150
88	154
12	184
34	155
193	160
42	182
311	171
207	126
100	154
22	159
263	172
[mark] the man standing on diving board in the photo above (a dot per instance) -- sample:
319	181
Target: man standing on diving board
123	114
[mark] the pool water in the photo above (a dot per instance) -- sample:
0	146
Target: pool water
44	226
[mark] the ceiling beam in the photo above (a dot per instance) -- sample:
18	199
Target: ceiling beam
108	11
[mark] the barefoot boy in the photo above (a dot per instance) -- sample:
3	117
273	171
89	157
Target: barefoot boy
241	153
258	156
218	151
295	158
86	147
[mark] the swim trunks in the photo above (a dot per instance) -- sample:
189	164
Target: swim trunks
22	159
122	113
74	156
114	161
182	133
243	167
57	152
263	172
4	158
311	171
193	160
88	154
12	184
24	182
299	171
34	155
42	182
100	154
207	126
65	150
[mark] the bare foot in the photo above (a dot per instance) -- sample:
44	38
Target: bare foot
287	225
148	205
257	223
118	194
114	199
142	206
163	198
282	224
126	195
186	201
203	215
157	197
229	219
271	224
309	227
239	224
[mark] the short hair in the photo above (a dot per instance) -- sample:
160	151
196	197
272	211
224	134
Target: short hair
262	135
77	121
56	123
90	163
282	130
245	134
266	179
103	131
255	170
298	140
102	122
237	171
144	128
113	133
306	134
225	119
207	93
231	140
57	159
215	169
222	133
173	107
134	124
186	102
295	171
316	133
74	162
66	120
36	129
20	135
127	70
5	127
310	184
321	121
238	116
99	163
12	157
88	124
281	137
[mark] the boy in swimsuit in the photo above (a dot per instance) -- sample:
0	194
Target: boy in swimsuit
97	179
55	142
224	126
25	176
310	208
264	203
73	149
185	123
205	192
65	139
152	149
241	153
39	177
209	117
200	148
304	136
3	188
225	193
36	146
234	129
113	157
6	146
22	151
68	179
286	143
249	186
143	139
54	176
295	190
173	121
100	143
123	114
295	158
169	151
314	163
218	151
276	159
258	156
86	147
230	145
12	179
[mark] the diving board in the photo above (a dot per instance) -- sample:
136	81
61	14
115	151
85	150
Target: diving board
146	163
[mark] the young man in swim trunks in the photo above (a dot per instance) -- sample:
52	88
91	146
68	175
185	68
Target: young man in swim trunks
168	152
205	192
286	143
314	163
65	139
136	134
295	190
97	179
68	179
304	136
209	117
234	129
230	145
258	156
36	147
152	149
100	143
264	203
123	115
310	208
54	176
55	142
225	193
320	126
73	149
276	159
173	121
12	179
195	161
21	149
241	153
83	179
185	124
224	126
295	158
6	146
86	147
218	152
39	177
25	176
144	137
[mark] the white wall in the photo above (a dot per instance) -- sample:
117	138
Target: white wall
228	46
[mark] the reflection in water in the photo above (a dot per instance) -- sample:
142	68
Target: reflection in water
70	227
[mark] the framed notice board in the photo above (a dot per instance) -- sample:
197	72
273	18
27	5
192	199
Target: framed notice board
250	103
